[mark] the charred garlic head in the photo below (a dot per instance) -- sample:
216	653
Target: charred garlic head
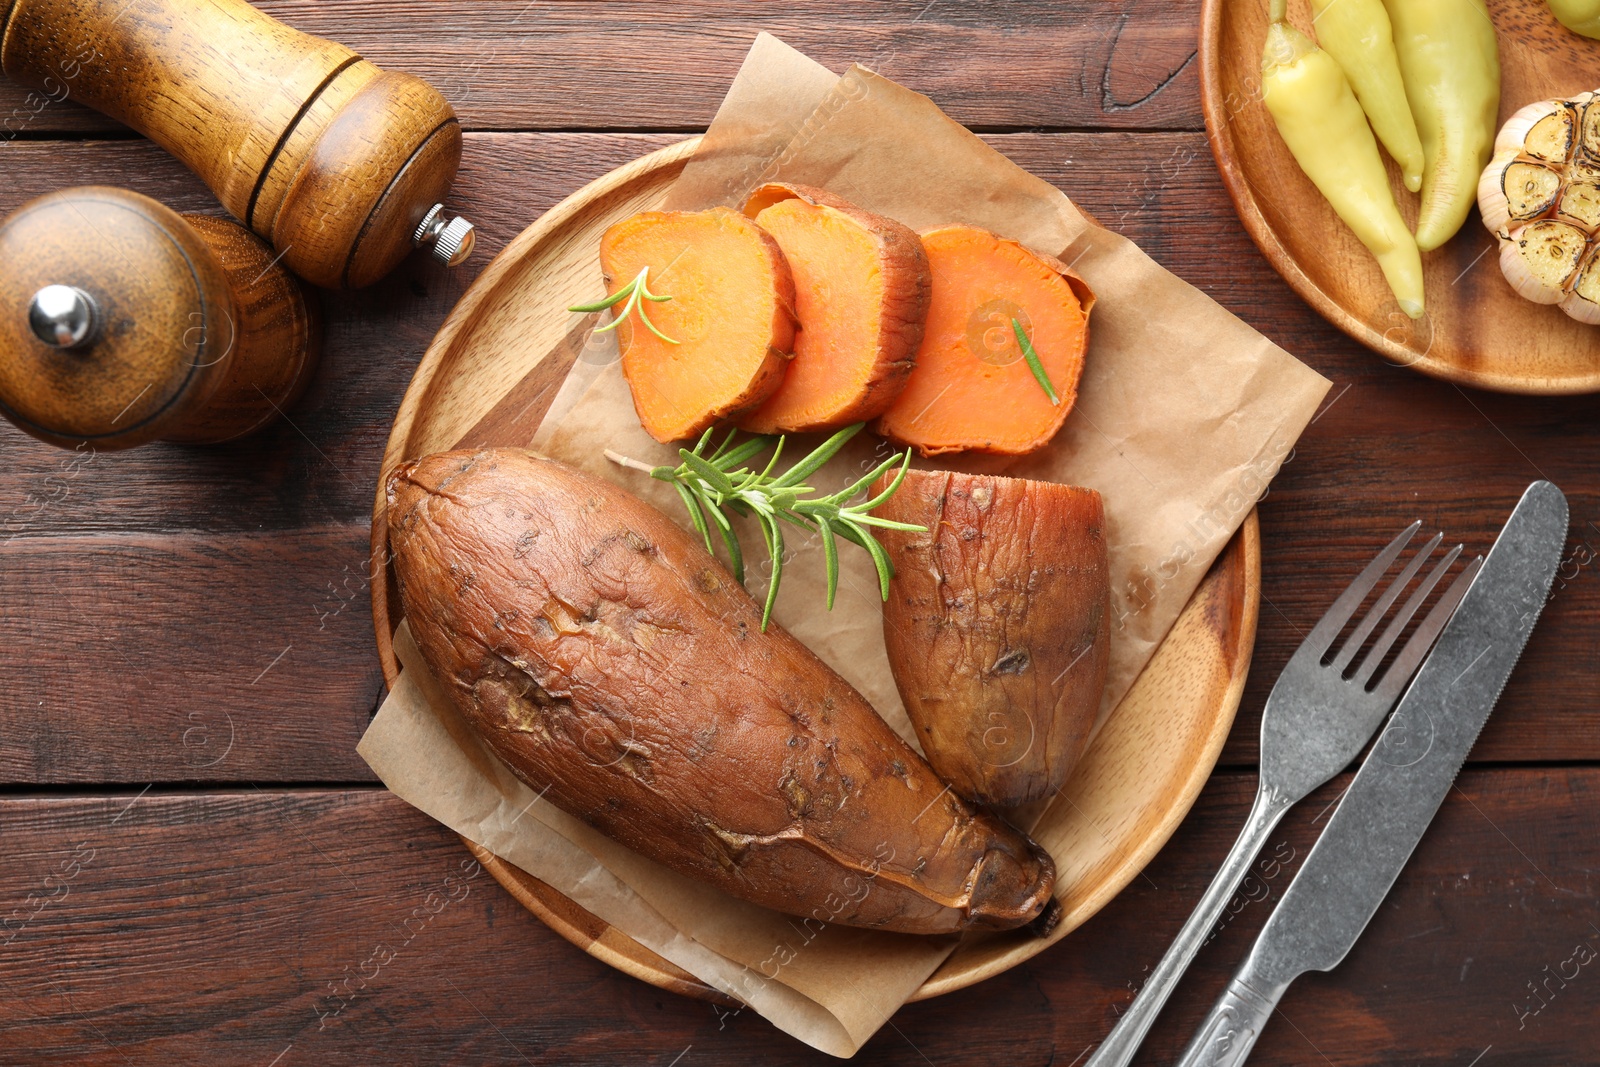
1540	194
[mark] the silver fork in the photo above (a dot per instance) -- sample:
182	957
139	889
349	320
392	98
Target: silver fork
1317	719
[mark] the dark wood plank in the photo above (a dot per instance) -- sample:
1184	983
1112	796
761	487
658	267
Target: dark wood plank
186	657
343	927
637	65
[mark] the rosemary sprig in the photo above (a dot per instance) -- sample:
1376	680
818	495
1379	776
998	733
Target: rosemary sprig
710	483
1034	363
632	293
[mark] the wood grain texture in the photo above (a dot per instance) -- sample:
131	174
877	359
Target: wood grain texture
327	157
342	927
550	64
162	658
277	335
1390	446
208	928
1475	330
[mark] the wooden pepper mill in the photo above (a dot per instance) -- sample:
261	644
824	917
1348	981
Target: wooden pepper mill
340	165
122	321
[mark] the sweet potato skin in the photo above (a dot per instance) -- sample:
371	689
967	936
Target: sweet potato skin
902	264
998	627
673	395
604	655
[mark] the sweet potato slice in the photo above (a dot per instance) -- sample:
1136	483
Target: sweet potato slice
604	656
998	627
972	387
861	295
731	313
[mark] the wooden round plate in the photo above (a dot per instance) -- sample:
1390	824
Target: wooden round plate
1134	785
1476	331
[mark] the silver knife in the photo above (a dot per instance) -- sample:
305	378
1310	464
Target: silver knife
1400	785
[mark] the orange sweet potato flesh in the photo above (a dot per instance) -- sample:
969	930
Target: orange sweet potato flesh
861	295
603	654
998	627
731	312
971	387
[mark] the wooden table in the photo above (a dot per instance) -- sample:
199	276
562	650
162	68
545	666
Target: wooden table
199	869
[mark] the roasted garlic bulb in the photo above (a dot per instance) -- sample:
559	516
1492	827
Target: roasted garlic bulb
1540	194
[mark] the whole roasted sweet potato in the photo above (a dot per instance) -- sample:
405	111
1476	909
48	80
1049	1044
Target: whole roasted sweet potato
606	658
998	627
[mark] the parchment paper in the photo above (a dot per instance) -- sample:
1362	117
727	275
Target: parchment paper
1184	414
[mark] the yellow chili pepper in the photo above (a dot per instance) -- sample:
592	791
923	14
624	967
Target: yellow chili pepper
1452	73
1323	125
1357	34
1579	16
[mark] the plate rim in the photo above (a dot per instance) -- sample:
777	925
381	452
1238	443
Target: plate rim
652	968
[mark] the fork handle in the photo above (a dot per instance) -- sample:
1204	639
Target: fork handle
1119	1046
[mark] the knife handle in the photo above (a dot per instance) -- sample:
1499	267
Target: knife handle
1123	1041
1235	1021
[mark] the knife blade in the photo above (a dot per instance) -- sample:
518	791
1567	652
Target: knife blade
1401	783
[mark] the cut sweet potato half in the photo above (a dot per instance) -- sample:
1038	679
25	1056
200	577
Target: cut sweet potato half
973	386
861	295
730	314
998	627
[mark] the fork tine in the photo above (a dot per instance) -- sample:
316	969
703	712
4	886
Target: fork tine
1391	633
1405	664
1328	627
1375	614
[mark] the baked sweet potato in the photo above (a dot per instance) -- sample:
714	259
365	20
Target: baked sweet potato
998	627
861	289
606	658
974	386
727	329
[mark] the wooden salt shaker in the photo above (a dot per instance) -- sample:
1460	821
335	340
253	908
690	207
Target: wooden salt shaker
123	322
340	165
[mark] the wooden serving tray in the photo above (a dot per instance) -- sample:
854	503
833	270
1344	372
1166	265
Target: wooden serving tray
1477	330
488	379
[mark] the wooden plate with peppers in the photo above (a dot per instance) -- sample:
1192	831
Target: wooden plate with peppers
1474	328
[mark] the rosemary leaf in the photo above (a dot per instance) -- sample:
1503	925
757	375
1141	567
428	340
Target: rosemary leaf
893	487
775	550
881	558
696	516
631	293
825	451
714	485
830	557
712	474
872	476
729	538
1033	362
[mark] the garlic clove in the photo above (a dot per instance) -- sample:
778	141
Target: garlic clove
1583	303
1530	190
1588	147
1492	206
1540	258
1551	138
1514	134
1580	204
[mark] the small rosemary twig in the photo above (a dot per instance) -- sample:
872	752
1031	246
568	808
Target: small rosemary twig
632	293
709	483
1034	364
